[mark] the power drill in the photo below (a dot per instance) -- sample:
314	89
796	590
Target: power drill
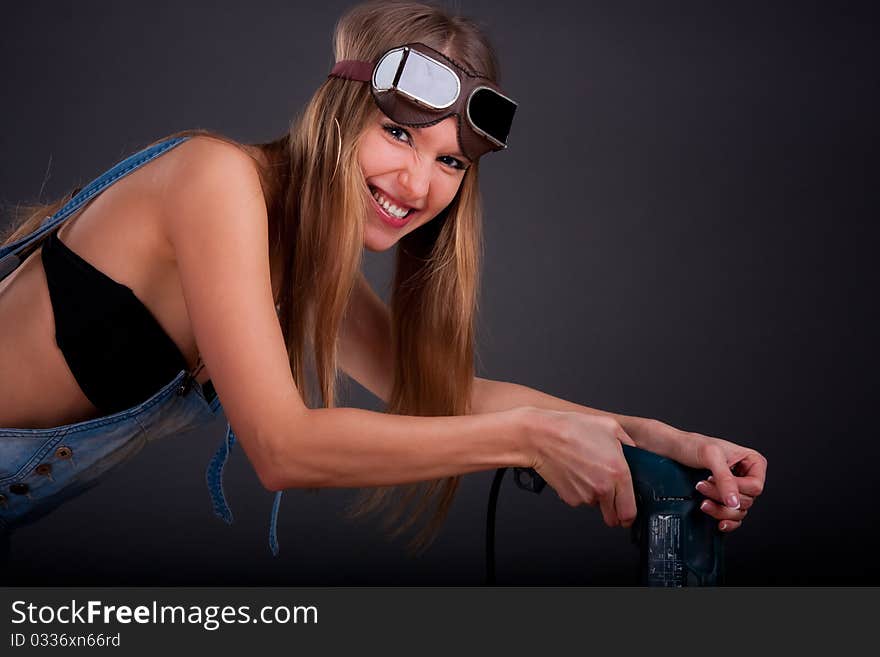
679	545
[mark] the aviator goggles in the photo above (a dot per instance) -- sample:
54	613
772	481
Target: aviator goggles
416	86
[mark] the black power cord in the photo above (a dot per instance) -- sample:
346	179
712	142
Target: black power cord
525	478
490	526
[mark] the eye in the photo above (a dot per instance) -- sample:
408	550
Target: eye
397	133
453	162
395	130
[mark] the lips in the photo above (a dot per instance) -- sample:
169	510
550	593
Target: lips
394	200
387	218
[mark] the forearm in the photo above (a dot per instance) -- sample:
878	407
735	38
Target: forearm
493	396
353	448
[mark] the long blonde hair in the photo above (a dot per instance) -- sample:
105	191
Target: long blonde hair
316	198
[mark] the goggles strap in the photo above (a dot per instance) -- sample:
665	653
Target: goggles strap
350	69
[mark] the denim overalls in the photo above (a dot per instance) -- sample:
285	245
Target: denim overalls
41	468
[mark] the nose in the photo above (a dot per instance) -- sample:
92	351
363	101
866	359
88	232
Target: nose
415	178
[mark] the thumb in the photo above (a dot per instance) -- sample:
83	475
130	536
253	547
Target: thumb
724	479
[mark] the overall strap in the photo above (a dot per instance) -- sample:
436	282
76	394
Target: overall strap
16	252
214	479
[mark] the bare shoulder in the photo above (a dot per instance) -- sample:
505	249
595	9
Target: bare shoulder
210	185
204	167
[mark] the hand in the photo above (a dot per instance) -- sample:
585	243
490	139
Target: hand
581	457
738	473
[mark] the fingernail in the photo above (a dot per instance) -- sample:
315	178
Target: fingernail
723	526
733	501
705	505
701	485
711	478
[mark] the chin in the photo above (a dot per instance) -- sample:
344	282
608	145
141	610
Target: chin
374	249
377	241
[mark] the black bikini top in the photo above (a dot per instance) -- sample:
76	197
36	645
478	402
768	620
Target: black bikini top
104	330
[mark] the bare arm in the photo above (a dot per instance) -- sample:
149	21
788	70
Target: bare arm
492	396
365	356
351	447
217	224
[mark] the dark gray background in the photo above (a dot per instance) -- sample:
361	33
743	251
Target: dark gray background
680	229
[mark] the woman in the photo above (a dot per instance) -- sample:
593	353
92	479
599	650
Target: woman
201	275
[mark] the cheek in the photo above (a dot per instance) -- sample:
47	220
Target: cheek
370	154
441	196
377	156
447	189
366	157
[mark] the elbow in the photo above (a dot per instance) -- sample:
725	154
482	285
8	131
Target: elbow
268	468
270	480
278	472
282	476
281	464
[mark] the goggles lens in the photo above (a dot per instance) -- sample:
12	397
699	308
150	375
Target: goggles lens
436	85
420	78
491	114
386	69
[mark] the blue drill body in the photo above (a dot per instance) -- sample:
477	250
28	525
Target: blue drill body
679	545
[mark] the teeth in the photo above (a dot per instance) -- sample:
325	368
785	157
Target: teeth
389	207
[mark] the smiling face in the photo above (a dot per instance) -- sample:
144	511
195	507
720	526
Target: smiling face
412	174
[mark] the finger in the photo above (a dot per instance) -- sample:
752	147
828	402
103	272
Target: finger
720	512
625	500
747	485
623	437
711	491
729	525
606	503
751	473
724	479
